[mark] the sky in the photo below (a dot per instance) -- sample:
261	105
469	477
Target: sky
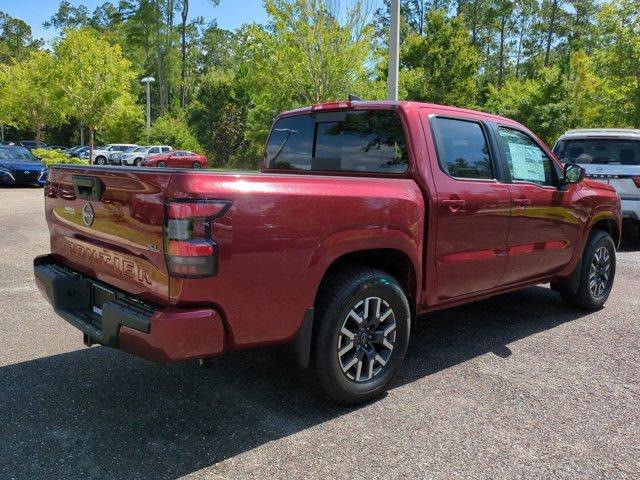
229	14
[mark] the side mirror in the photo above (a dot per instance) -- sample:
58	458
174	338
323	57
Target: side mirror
573	173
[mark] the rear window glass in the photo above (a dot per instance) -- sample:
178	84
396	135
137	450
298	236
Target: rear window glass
599	151
361	141
462	148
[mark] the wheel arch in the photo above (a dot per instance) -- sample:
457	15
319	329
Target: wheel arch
609	225
392	261
396	262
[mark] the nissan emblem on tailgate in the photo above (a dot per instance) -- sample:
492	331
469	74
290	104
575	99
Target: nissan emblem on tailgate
87	214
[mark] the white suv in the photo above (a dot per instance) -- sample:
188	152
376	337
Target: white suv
609	155
135	156
101	154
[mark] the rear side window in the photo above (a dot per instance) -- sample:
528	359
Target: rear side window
462	149
599	151
370	141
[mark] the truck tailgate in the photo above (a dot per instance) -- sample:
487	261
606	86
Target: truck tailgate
108	223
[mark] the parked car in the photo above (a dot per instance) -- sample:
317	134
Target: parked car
115	158
79	151
31	144
137	155
609	155
19	166
101	154
7	142
176	159
57	148
364	215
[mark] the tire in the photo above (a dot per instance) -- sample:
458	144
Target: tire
196	165
162	164
597	273
101	161
350	292
137	162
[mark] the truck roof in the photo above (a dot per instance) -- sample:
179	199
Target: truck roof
348	105
581	133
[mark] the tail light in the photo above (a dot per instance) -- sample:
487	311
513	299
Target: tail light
331	106
189	249
636	180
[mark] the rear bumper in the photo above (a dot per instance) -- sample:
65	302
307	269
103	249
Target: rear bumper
125	322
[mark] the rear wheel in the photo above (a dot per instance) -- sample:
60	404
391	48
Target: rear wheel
361	333
137	162
162	164
597	272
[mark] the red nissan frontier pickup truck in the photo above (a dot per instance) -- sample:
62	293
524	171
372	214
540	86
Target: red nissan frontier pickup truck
364	215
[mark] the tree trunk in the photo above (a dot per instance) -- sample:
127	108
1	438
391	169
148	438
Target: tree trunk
503	26
91	129
38	130
185	12
550	32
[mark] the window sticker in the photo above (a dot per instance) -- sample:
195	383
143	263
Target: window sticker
527	163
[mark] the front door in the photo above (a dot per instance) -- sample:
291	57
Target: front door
544	219
472	209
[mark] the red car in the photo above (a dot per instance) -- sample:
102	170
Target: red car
365	215
176	159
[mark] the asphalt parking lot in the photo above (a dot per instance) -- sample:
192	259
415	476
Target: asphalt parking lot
515	386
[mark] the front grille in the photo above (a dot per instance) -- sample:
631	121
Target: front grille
26	176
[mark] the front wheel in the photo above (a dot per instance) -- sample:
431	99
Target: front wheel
162	164
101	161
361	334
597	272
196	165
137	162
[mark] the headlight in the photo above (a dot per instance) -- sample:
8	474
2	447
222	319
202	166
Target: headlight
4	174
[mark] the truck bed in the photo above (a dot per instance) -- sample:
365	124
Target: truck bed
275	241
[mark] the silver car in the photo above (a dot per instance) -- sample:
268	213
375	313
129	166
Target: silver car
609	155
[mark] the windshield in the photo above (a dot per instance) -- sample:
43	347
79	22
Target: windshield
140	149
17	153
599	151
128	149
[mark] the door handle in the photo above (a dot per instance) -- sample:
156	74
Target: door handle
522	202
454	204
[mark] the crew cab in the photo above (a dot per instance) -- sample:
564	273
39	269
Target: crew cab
364	215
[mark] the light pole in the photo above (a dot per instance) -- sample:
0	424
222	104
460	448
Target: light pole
394	48
148	81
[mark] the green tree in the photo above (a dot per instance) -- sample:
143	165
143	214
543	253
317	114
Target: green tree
16	39
124	122
617	61
441	66
33	95
541	104
174	131
304	55
218	117
96	76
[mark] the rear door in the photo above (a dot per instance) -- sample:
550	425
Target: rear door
544	218
472	208
108	224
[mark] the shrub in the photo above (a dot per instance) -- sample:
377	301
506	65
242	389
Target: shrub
53	157
168	130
